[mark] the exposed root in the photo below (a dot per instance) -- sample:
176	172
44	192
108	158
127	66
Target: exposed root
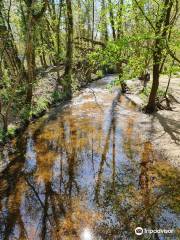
161	104
124	88
164	104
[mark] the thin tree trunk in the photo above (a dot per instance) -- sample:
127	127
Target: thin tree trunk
32	19
111	14
104	19
9	51
93	8
43	55
58	28
30	57
169	80
120	12
69	52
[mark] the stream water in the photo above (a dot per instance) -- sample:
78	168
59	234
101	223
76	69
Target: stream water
83	171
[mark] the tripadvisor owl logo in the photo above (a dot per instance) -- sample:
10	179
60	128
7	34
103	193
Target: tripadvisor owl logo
139	231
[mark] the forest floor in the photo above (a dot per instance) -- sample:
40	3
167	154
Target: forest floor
163	127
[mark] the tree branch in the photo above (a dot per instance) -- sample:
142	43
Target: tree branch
148	20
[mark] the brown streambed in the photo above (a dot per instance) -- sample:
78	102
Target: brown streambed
86	172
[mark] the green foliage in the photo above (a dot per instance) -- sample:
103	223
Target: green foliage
5	92
146	92
114	83
10	133
99	73
41	105
11	130
128	51
110	55
1	135
56	96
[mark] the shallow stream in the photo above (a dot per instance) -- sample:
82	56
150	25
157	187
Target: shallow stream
83	171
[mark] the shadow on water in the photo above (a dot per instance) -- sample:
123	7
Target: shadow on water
83	172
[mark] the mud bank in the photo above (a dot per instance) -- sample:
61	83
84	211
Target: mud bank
163	127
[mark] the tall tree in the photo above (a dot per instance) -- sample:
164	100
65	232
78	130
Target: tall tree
112	21
119	18
69	51
8	48
161	28
104	21
32	18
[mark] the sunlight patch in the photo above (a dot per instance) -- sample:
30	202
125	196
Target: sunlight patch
87	234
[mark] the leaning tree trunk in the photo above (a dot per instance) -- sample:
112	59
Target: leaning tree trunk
160	35
69	52
151	106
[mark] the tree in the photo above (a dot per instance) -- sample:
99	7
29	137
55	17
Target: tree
32	18
111	16
161	28
69	51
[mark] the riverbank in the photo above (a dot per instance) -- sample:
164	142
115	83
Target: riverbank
163	127
47	93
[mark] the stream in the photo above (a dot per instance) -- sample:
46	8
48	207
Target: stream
83	171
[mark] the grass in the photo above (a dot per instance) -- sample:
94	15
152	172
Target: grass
10	133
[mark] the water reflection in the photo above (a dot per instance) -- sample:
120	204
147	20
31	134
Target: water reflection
84	173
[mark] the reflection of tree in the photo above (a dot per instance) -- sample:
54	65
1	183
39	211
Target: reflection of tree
53	195
66	145
130	206
101	165
113	156
11	189
64	148
110	129
128	138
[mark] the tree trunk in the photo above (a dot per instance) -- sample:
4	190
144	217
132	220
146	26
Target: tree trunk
93	18
111	14
104	20
69	52
120	25
5	124
43	55
58	40
30	57
4	118
161	31
169	80
151	106
32	19
9	51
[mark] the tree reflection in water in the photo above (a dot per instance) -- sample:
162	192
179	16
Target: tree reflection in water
84	173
